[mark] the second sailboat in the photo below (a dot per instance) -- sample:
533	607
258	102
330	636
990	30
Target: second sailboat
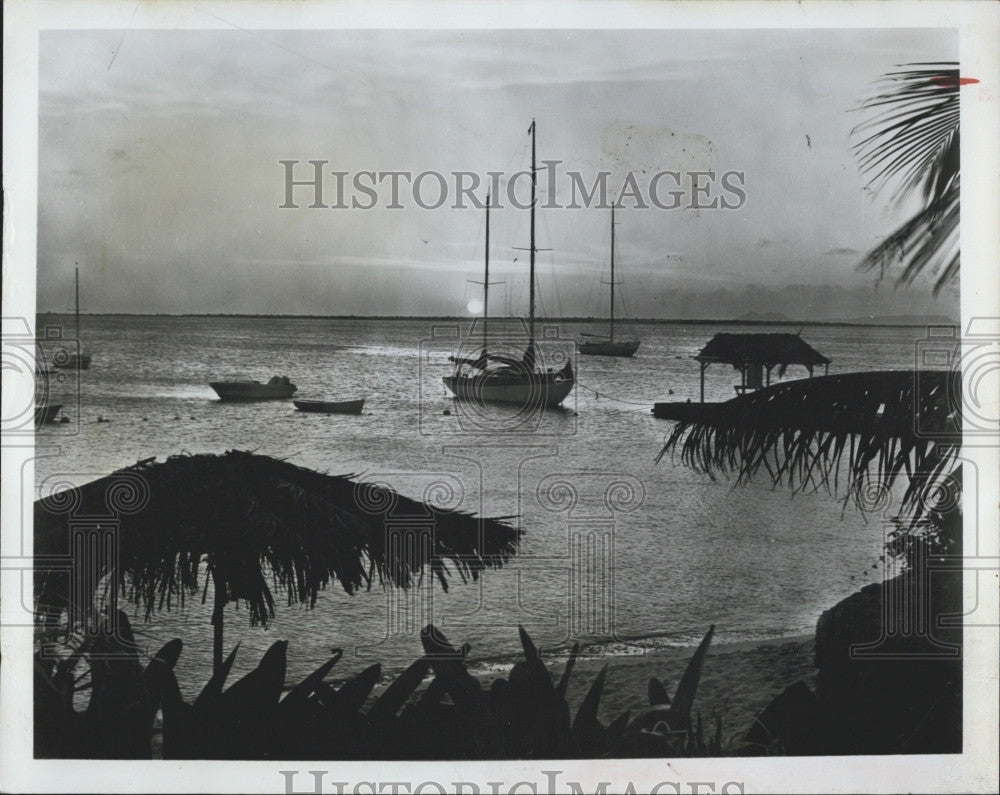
597	345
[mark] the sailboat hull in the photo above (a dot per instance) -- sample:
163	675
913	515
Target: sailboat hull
621	348
523	389
46	413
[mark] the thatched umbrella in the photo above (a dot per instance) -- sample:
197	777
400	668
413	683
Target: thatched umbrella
250	519
886	424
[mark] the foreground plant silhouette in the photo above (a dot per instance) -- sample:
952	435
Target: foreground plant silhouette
454	715
525	716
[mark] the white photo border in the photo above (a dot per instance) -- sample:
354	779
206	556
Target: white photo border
978	27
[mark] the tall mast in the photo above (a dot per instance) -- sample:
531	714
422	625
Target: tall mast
530	351
486	276
77	272
531	291
612	272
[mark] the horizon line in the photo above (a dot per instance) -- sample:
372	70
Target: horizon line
887	322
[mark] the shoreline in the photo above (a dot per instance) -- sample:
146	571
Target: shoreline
738	679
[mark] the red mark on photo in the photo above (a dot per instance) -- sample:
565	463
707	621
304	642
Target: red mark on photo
953	82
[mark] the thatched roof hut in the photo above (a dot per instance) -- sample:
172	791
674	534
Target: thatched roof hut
766	349
755	355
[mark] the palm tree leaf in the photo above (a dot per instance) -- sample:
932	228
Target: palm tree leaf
170	652
657	692
564	679
537	676
679	715
263	684
928	239
618	725
352	694
914	138
304	689
587	714
396	695
877	425
528	645
213	688
429	699
450	670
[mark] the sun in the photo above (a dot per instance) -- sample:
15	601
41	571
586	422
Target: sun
475	307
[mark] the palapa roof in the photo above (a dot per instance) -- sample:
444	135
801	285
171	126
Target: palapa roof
766	349
255	519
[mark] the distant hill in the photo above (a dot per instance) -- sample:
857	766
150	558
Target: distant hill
765	317
902	320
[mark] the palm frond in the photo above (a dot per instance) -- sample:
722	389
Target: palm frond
915	134
880	425
914	138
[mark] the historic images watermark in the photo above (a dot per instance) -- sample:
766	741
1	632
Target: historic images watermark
965	404
323	187
315	782
41	382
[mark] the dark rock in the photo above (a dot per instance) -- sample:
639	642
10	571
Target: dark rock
889	678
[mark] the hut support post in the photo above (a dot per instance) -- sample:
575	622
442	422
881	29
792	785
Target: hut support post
703	366
217	617
769	375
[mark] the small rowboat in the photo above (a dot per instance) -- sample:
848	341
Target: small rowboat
278	388
330	407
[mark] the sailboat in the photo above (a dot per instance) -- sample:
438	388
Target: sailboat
608	346
46	413
497	378
75	360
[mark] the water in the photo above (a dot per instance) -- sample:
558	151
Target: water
686	551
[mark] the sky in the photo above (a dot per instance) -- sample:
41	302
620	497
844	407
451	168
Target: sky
160	174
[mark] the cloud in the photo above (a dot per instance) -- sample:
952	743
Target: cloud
841	252
161	176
